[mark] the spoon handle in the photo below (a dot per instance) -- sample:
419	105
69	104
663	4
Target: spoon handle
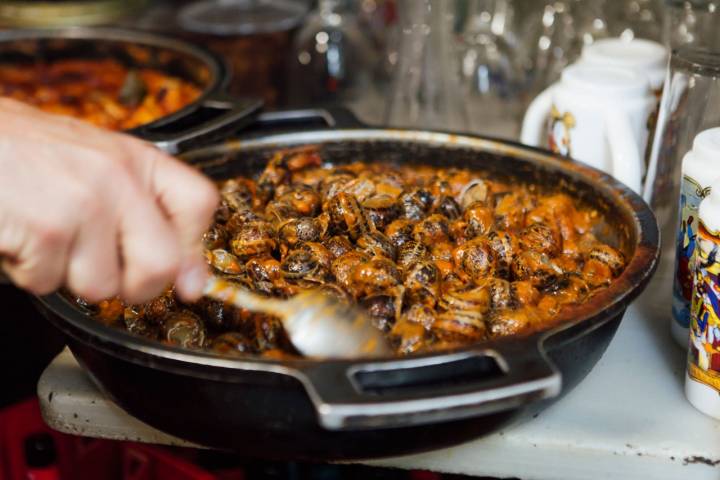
229	292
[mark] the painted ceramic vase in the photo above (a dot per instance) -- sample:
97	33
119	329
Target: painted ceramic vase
699	167
702	383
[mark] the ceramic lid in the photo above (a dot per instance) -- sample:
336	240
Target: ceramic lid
638	54
604	80
242	17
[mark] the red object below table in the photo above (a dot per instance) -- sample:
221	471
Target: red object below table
80	458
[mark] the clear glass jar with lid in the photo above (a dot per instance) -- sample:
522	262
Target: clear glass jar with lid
253	36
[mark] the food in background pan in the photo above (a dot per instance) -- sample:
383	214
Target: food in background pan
103	92
438	257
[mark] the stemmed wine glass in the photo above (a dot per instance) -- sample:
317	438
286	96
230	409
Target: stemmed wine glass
426	91
554	38
491	69
332	59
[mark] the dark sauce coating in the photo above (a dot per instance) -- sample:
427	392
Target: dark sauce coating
438	257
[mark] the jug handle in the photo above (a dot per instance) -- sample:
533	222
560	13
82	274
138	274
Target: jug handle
535	120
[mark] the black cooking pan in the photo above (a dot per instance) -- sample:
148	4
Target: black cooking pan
302	409
210	117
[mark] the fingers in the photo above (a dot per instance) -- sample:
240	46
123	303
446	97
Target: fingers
149	249
188	199
94	263
134	217
36	262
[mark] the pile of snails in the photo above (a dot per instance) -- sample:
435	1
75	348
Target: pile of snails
438	257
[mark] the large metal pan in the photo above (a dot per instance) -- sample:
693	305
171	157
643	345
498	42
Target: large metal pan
304	409
210	117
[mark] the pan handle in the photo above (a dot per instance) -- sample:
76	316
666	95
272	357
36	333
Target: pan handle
214	117
325	117
409	392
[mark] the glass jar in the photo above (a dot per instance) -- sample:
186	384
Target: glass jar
690	103
252	36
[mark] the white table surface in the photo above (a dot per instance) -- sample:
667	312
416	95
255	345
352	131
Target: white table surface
629	418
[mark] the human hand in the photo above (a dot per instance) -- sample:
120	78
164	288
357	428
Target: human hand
100	212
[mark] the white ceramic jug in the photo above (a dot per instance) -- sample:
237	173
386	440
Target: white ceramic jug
595	114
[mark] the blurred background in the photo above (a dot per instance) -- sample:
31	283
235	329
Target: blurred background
496	55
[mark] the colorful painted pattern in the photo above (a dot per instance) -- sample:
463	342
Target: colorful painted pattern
691	194
704	352
559	131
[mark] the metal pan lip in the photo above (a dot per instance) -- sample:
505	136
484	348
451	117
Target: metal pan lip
601	308
219	72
